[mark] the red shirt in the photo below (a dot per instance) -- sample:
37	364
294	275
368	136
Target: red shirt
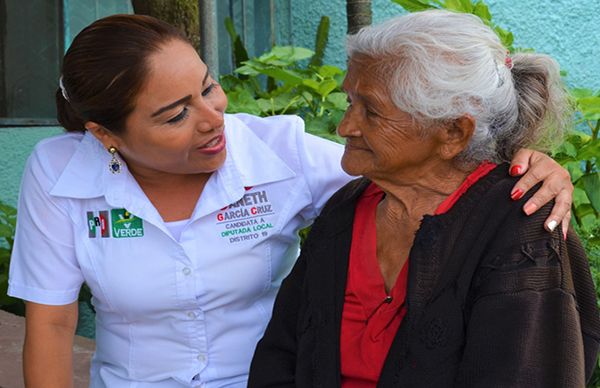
371	317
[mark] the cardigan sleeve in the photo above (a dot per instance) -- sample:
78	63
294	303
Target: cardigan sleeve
533	320
274	360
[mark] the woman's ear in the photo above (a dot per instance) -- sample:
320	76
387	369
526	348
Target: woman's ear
106	137
455	136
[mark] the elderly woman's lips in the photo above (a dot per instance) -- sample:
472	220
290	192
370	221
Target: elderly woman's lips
351	146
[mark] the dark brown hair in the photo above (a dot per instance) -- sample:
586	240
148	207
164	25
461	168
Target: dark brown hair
105	67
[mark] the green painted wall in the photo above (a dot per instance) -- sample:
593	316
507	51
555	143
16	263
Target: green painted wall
16	143
567	30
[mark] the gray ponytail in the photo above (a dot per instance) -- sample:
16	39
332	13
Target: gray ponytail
543	108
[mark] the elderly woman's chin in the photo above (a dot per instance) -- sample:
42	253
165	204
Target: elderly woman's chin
354	164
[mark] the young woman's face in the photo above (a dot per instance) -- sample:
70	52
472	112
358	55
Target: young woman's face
177	124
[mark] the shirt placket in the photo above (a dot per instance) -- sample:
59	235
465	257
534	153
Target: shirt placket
189	287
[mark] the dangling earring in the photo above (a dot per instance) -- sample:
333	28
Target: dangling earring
115	164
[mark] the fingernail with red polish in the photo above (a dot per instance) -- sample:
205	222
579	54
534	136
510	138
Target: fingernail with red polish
516	194
565	235
515	170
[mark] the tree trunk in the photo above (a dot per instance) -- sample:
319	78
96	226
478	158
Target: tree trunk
359	14
182	14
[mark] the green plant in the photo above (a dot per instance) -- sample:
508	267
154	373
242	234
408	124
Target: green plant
580	154
288	80
478	8
8	219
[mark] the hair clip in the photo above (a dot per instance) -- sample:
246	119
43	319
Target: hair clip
508	60
62	88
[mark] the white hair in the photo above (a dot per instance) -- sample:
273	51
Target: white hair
443	65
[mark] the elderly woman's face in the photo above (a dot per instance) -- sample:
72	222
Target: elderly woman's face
381	140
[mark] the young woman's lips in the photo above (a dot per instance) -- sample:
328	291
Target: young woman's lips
214	146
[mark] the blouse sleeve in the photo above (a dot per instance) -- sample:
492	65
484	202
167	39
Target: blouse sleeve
43	266
321	164
274	360
534	320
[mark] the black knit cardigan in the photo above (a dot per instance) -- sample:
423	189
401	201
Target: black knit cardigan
493	300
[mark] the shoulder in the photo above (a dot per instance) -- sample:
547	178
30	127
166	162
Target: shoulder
51	156
338	213
346	196
285	135
264	127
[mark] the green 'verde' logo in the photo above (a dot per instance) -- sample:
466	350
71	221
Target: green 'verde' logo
125	224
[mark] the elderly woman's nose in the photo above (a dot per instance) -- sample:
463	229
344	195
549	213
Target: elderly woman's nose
349	126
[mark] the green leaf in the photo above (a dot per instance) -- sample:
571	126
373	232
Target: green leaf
335	118
413	5
574	169
580	93
589	150
8	210
311	83
568	148
291	53
240	54
588	221
460	5
307	96
317	125
328	71
247	70
320	41
591	184
589	107
326	87
241	100
265	105
482	10
584	210
288	76
580	198
338	100
6	230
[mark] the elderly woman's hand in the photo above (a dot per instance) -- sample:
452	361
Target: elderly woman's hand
557	185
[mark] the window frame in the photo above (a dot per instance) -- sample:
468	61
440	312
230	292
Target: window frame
62	43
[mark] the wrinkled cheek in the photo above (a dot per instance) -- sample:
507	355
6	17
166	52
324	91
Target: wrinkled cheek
353	163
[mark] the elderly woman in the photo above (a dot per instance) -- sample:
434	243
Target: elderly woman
423	273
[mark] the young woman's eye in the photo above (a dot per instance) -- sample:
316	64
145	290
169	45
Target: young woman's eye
179	117
209	89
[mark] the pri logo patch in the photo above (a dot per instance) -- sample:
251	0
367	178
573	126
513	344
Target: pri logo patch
125	224
98	222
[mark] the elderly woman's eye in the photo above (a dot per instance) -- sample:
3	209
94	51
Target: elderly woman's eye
371	112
